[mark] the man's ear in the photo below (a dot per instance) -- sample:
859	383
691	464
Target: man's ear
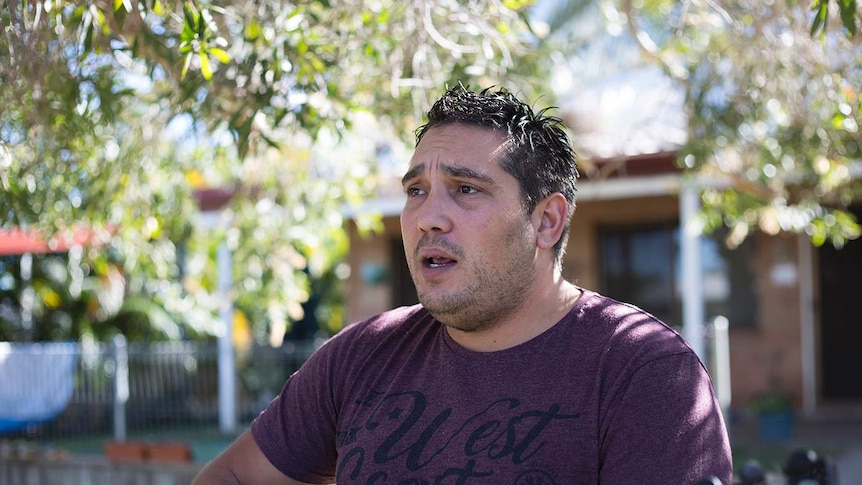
549	217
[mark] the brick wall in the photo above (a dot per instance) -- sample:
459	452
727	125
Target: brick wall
766	354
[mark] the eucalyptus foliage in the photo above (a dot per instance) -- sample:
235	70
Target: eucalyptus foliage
773	103
115	114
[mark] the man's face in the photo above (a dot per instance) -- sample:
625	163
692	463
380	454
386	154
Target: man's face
469	243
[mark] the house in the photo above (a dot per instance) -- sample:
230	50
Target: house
790	306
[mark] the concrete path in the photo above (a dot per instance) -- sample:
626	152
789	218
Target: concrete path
849	468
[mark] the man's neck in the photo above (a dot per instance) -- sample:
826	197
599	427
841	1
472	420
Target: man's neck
546	305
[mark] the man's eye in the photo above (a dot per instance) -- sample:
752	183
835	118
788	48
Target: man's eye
467	189
414	191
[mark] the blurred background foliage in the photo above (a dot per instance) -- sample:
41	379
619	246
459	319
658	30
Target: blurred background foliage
117	115
773	105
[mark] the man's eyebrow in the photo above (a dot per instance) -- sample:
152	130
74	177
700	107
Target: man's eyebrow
467	173
413	173
451	170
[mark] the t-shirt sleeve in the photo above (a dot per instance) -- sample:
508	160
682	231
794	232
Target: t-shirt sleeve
664	426
296	431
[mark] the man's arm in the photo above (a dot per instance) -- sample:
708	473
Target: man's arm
242	463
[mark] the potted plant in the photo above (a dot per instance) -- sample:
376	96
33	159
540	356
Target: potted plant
126	451
169	451
774	412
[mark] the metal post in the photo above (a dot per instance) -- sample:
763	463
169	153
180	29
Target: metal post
721	363
692	271
28	295
226	364
120	352
806	316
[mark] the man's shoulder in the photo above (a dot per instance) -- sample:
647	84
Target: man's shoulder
379	337
626	325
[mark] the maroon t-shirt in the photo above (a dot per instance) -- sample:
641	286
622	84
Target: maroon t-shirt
609	395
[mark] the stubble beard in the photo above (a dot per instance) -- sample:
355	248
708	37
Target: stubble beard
494	292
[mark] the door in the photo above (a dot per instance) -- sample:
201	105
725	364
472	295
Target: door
841	321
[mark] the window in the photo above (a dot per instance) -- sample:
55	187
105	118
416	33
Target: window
641	265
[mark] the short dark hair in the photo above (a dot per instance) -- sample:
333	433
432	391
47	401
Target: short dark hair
540	155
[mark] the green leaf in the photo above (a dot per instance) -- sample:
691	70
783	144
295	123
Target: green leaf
98	16
203	23
517	5
220	54
88	37
821	12
192	17
187	35
252	30
78	14
206	70
186	64
848	15
120	16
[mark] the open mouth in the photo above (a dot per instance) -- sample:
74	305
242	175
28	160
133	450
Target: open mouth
433	262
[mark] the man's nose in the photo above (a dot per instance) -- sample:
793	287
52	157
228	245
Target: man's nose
434	214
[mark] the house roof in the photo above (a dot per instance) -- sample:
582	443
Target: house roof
17	241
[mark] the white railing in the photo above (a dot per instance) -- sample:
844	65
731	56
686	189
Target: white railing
124	388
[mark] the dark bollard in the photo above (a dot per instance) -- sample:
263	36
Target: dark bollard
752	473
800	464
804	467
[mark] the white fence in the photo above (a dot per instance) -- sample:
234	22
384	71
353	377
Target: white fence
94	471
164	386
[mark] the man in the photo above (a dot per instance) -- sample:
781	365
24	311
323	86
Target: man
506	373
